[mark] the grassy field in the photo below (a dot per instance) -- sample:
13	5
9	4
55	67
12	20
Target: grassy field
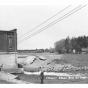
76	59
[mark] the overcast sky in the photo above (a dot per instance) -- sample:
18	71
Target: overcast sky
25	17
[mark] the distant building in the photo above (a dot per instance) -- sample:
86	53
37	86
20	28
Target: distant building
8	41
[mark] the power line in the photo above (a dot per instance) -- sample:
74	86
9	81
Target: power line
44	21
56	21
47	25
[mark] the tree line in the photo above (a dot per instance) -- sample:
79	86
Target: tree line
50	50
69	44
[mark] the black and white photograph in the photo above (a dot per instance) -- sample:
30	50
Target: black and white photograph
44	42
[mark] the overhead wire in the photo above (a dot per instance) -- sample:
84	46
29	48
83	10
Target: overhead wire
45	21
51	24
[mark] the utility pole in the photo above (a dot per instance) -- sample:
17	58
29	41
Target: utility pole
15	38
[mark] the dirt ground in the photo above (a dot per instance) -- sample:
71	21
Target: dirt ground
5	82
36	80
77	60
56	61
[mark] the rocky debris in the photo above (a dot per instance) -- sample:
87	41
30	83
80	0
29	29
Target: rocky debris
41	58
62	65
50	65
65	68
27	60
30	60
